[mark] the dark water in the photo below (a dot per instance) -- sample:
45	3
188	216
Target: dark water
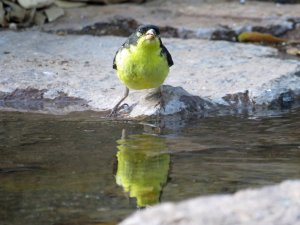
75	170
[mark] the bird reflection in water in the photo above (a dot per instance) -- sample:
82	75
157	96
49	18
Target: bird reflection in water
143	166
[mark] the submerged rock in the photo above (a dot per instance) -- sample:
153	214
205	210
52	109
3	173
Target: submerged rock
208	76
278	204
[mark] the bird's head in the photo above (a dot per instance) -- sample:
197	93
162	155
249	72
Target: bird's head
148	35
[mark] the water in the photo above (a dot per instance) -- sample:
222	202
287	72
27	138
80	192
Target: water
80	169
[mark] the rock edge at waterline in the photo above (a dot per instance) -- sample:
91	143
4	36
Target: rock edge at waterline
60	74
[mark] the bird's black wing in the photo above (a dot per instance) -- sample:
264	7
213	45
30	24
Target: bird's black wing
114	62
119	50
132	40
166	53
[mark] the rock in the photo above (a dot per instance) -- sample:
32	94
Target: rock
275	27
176	100
13	26
225	34
54	13
15	13
68	4
278	204
120	1
16	16
190	20
110	1
39	18
31	99
29	4
118	26
208	76
2	15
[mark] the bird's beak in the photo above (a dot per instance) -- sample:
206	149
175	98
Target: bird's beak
150	34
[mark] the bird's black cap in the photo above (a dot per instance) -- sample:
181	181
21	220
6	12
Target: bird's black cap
144	28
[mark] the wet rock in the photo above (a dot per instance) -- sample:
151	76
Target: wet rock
285	100
240	101
176	100
208	76
278	204
31	99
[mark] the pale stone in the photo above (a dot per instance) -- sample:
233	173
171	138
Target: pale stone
278	204
29	4
207	75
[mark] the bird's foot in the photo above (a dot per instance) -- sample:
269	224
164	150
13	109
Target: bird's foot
161	102
116	109
157	96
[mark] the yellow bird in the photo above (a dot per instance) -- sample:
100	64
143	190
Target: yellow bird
142	62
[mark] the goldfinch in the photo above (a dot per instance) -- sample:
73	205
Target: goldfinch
142	62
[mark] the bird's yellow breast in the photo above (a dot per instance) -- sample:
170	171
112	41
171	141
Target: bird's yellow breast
142	66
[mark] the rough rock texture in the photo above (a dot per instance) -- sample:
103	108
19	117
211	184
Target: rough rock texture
271	205
207	75
187	19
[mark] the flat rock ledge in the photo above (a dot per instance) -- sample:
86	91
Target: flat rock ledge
278	204
60	74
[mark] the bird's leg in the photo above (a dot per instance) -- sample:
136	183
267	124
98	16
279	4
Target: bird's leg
161	102
116	108
162	99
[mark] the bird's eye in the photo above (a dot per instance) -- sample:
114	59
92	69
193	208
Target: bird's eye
142	30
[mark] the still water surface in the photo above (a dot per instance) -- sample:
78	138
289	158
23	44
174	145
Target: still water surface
75	170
